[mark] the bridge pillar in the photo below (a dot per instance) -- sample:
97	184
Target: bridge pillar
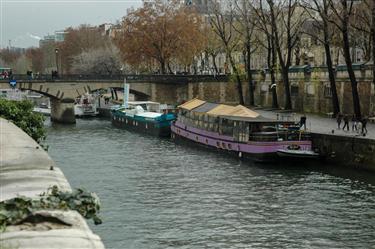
62	111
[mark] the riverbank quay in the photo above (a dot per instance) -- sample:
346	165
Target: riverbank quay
27	170
338	147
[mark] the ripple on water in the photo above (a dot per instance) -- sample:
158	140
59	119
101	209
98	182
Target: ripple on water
156	194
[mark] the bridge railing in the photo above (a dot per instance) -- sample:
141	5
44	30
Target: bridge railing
152	78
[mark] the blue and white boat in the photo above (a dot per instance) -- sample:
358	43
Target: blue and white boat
143	116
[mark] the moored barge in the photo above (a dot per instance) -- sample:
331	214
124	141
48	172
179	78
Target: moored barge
144	117
238	130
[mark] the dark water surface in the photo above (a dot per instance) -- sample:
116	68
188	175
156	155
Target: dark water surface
156	194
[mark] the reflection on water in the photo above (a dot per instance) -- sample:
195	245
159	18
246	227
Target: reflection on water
156	194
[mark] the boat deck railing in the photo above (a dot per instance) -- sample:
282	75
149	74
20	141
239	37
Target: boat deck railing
279	136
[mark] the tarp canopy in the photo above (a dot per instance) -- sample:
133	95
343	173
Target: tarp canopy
221	110
191	104
235	111
203	107
242	111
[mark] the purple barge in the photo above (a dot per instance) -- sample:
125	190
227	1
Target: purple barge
238	130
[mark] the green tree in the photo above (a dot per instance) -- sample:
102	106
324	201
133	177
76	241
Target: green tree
21	114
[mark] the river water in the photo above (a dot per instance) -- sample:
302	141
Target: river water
156	194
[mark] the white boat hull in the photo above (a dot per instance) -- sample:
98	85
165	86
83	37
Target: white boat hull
298	154
85	111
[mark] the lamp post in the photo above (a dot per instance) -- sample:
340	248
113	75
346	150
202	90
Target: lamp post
57	61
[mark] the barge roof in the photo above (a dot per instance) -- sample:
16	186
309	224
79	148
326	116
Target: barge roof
205	108
191	104
235	113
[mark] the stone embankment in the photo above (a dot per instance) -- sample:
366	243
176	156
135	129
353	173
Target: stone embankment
344	148
27	170
346	151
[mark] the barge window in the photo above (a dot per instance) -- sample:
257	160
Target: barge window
227	127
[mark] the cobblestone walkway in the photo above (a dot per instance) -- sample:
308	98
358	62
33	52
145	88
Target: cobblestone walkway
319	124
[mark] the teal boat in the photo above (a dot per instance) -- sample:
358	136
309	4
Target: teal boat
143	116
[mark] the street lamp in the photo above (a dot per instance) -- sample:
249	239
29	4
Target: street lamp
57	61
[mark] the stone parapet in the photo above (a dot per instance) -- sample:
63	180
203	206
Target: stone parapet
27	170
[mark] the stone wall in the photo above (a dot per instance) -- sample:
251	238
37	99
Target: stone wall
311	92
344	151
217	92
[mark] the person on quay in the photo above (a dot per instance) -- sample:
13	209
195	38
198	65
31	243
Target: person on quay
302	121
364	126
354	123
339	119
346	122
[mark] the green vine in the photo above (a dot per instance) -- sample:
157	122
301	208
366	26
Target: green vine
15	210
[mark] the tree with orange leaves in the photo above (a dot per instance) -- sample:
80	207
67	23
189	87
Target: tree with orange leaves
161	32
35	55
79	40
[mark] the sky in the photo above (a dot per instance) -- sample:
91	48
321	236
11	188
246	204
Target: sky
24	22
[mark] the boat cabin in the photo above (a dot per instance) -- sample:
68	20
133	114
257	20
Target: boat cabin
148	106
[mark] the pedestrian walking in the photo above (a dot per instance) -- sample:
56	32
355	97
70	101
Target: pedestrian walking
339	119
364	126
29	74
302	121
346	122
354	123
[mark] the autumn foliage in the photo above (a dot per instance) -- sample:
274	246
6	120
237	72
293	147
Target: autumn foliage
79	40
162	33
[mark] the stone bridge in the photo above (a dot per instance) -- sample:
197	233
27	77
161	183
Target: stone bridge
62	91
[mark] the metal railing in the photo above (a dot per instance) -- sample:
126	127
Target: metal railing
131	78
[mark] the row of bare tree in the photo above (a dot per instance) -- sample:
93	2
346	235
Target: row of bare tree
165	34
277	26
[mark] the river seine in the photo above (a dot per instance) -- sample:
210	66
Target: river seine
156	194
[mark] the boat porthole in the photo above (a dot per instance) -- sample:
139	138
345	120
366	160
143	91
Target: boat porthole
196	138
229	146
206	141
218	144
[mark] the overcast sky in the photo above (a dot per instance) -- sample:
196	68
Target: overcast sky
24	21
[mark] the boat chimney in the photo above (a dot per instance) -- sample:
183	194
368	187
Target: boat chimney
126	94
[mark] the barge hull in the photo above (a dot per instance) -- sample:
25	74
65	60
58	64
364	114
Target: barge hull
255	151
142	127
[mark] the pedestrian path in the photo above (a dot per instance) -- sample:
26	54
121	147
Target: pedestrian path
319	124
